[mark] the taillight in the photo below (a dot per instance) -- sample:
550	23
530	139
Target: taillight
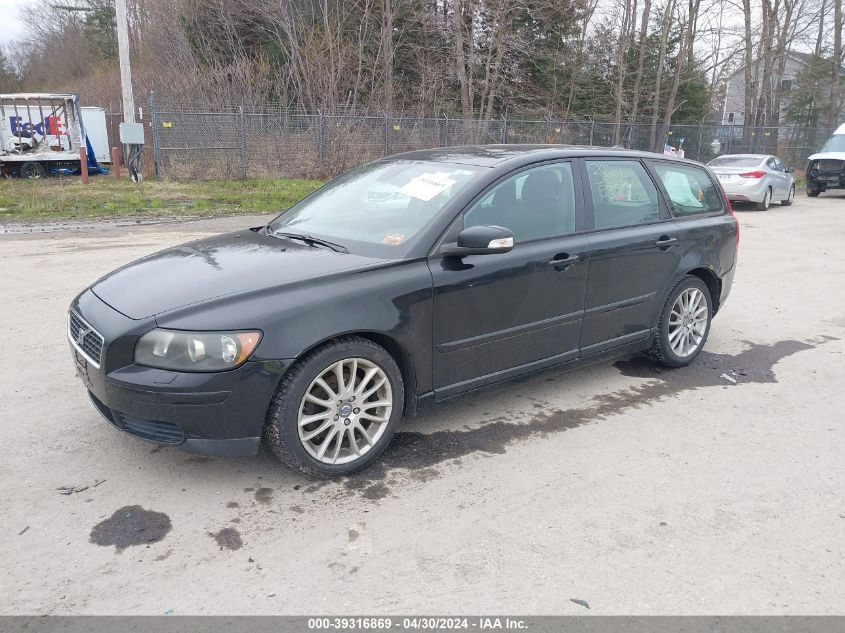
733	215
753	174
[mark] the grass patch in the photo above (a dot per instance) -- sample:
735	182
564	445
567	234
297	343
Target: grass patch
67	198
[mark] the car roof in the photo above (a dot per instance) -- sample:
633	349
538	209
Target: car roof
500	155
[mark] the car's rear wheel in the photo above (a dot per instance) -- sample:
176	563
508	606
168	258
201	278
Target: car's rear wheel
336	410
684	324
767	200
790	198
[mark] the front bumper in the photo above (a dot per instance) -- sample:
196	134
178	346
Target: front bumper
822	175
214	413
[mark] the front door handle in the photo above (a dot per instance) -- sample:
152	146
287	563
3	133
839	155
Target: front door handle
665	241
564	259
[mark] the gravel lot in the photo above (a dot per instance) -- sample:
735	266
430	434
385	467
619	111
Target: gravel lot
634	490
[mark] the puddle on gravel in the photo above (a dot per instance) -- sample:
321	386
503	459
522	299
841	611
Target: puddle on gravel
420	452
264	495
228	538
131	525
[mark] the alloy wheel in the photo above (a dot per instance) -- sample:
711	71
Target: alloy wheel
688	322
345	411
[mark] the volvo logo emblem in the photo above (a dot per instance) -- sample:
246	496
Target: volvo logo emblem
81	334
345	410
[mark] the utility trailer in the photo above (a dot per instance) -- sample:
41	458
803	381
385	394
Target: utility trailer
40	135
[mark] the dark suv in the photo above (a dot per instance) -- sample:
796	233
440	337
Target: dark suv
407	281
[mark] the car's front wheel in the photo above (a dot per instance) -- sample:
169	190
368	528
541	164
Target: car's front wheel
813	193
336	409
684	324
790	198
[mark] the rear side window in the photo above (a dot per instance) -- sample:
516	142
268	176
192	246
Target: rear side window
622	193
690	189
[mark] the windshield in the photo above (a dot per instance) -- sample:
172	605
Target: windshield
735	161
380	204
835	143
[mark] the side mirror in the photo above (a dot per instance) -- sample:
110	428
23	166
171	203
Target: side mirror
790	170
480	240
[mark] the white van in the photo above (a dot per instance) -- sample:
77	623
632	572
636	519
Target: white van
826	168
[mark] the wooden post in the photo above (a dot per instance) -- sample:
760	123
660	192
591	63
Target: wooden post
115	162
83	165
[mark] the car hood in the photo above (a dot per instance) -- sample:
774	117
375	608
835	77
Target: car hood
215	267
828	156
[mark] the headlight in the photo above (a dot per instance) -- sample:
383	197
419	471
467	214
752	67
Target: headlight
195	351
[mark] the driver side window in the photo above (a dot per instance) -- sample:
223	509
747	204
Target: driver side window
533	204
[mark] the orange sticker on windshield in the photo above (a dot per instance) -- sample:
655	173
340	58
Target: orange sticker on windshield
393	238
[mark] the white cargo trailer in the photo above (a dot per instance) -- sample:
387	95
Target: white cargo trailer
40	135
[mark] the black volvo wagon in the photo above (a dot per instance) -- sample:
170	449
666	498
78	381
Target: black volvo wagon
407	281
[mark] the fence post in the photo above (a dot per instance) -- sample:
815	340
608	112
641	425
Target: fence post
320	148
504	129
154	126
444	140
386	140
83	165
242	123
700	139
592	123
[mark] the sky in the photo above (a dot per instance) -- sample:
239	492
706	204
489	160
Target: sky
11	19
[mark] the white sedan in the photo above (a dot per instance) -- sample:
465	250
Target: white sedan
757	178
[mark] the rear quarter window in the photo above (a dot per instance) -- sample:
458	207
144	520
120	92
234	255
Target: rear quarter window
690	189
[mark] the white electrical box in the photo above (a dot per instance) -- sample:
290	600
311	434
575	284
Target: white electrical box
132	133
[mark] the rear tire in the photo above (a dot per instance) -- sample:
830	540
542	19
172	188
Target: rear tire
790	199
33	170
345	429
767	200
683	328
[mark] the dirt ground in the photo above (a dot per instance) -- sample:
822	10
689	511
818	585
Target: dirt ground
634	490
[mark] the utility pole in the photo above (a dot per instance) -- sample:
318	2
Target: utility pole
123	54
131	133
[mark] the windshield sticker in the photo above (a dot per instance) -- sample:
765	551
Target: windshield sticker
425	186
393	239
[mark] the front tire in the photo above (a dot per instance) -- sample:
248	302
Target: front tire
813	193
684	324
336	409
790	198
767	200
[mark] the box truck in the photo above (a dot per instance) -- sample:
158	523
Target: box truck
40	135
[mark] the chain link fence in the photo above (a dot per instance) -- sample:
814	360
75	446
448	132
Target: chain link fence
195	141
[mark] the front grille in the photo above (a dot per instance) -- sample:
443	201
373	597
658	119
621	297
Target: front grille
160	432
85	338
829	166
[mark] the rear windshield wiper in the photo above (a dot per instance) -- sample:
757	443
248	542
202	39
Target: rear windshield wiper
311	240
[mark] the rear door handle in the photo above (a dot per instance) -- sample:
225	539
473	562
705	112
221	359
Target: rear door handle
665	241
564	259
